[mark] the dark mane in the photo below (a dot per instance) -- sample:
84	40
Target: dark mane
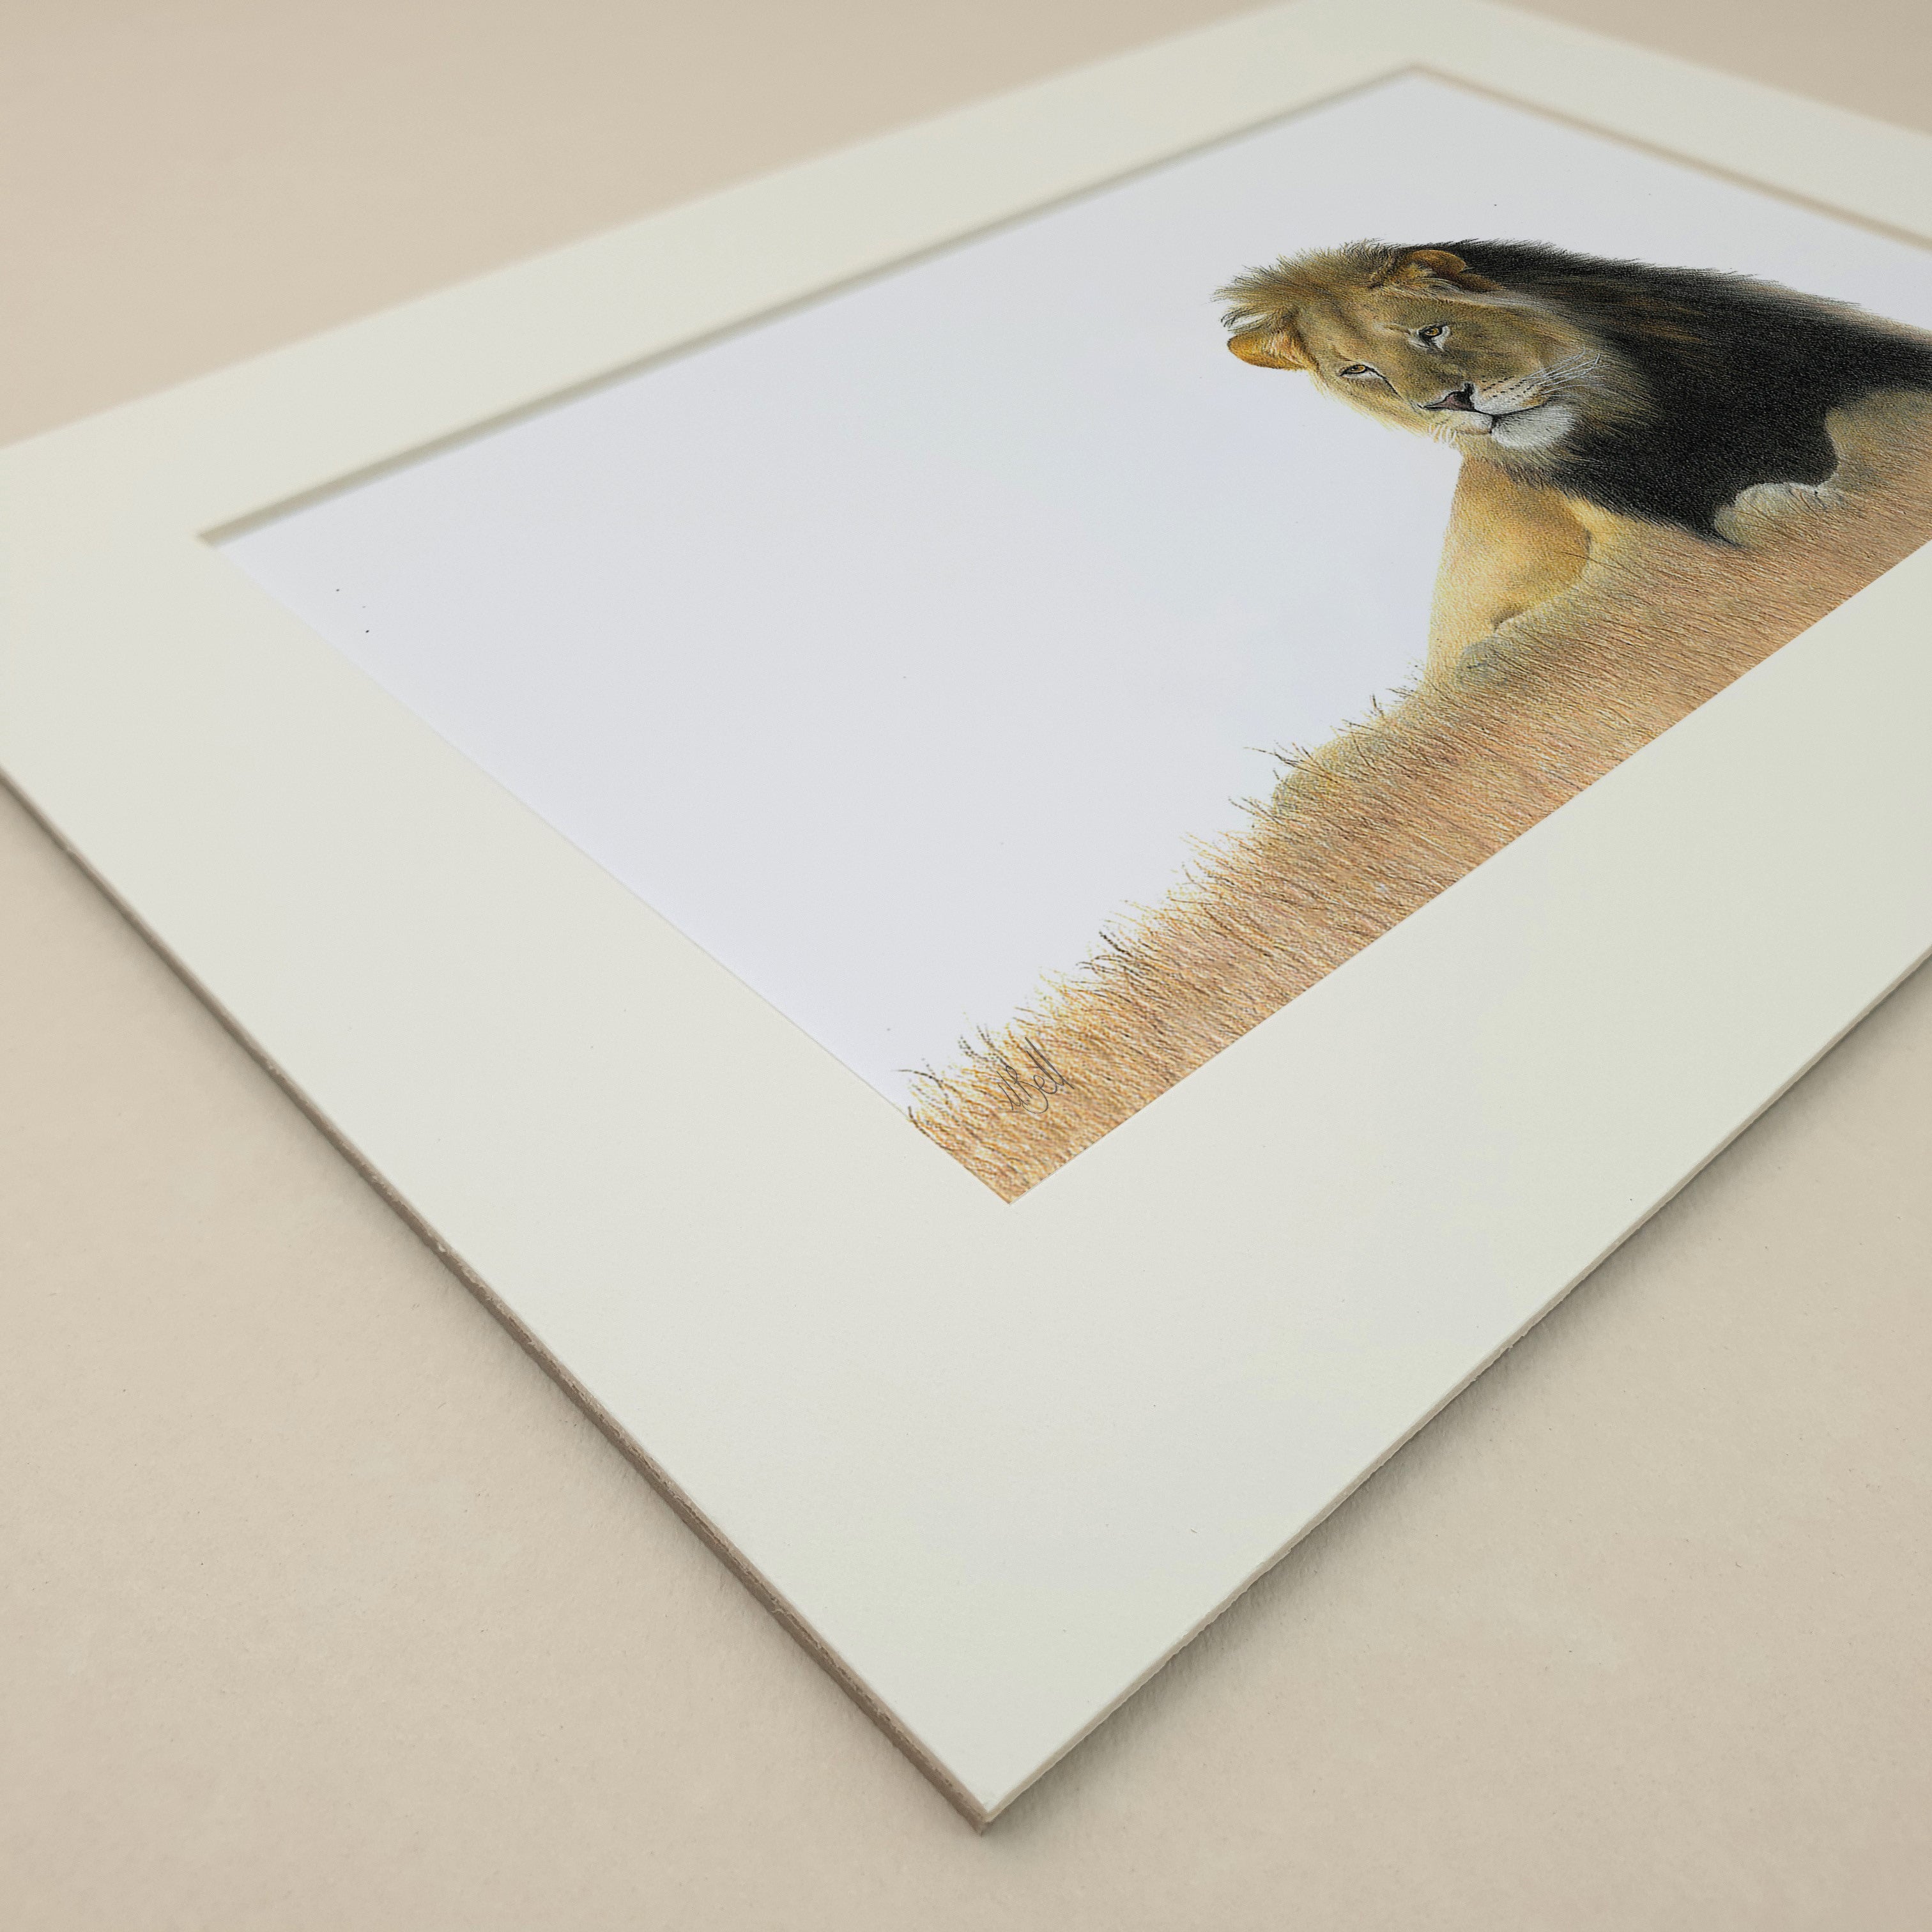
1739	377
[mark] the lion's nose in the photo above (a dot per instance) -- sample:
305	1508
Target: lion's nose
1457	399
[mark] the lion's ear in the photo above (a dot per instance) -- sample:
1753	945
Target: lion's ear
1275	348
1421	268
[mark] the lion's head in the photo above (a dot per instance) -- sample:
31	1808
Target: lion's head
1655	392
1417	337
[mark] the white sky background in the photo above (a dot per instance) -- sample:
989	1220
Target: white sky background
892	648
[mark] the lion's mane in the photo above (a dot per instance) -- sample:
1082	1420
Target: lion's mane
1719	382
1738	377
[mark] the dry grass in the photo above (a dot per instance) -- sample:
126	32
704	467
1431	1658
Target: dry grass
1359	834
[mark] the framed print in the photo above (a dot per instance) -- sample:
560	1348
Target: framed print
1013	943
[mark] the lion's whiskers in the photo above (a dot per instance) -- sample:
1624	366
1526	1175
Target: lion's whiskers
1572	370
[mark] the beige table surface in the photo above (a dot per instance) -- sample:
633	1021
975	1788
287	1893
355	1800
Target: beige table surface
319	1606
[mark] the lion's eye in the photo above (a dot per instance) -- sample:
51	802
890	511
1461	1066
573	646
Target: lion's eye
1434	332
1358	369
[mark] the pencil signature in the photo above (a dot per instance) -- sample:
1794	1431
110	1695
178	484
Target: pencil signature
1027	1083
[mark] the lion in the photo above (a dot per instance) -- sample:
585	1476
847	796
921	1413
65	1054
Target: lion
1593	401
